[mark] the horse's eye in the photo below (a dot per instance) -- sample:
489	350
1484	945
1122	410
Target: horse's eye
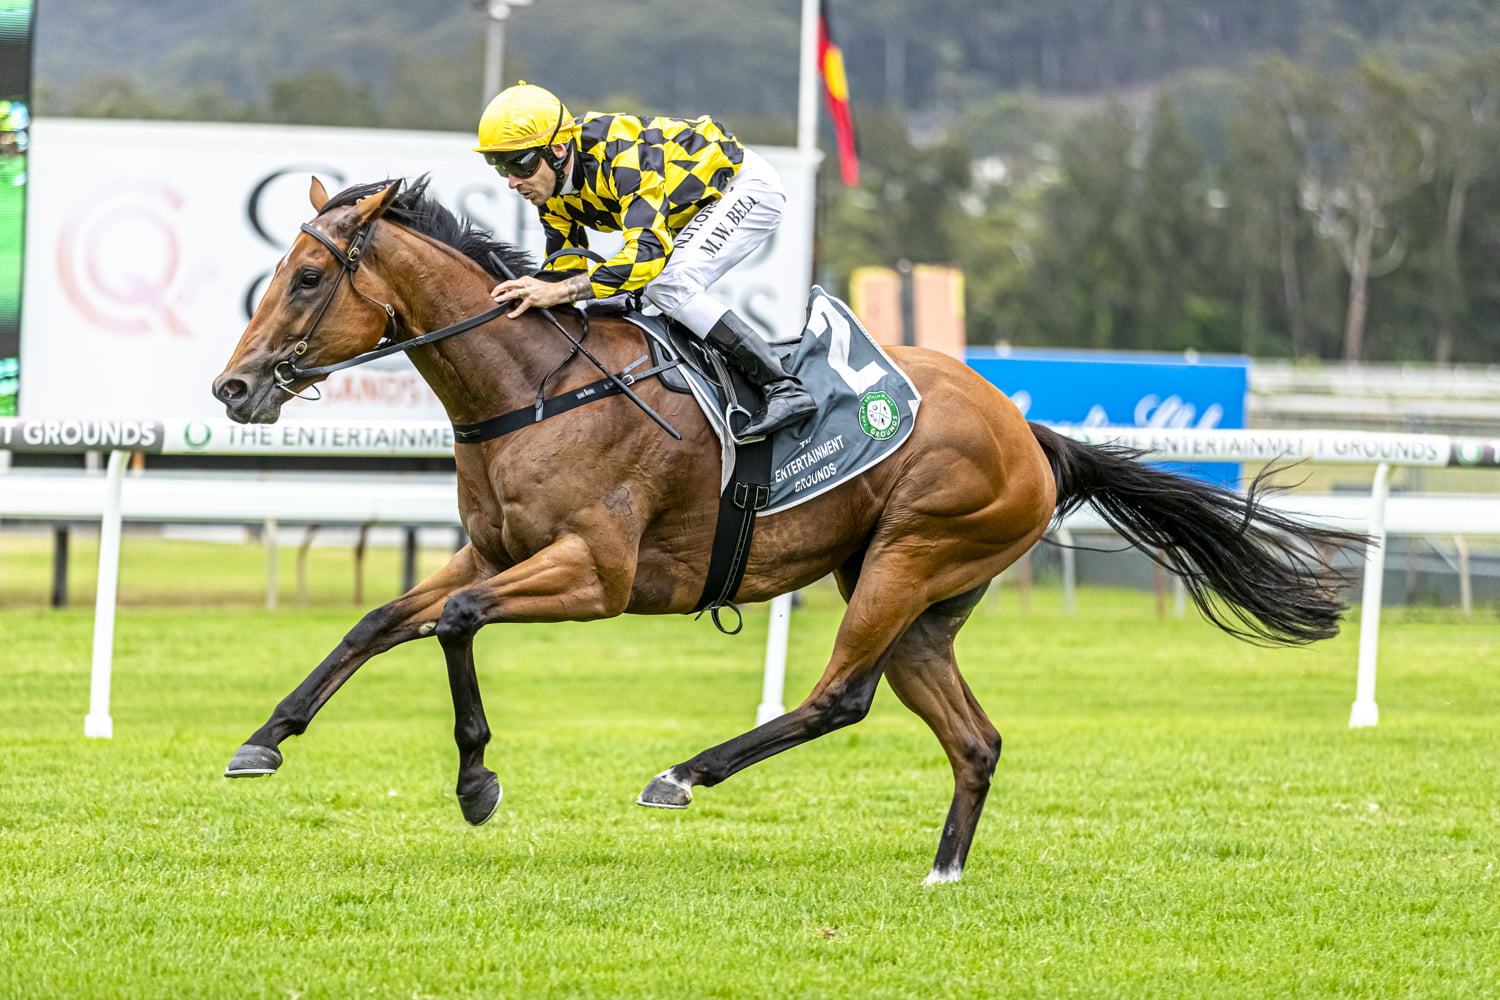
309	277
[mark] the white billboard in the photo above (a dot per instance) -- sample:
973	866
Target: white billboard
149	243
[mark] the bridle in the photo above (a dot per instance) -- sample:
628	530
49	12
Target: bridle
349	259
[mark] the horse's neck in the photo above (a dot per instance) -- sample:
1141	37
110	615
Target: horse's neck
482	372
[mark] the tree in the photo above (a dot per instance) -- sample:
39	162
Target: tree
1460	103
320	97
113	95
1262	176
1171	236
435	93
907	205
1081	282
1363	152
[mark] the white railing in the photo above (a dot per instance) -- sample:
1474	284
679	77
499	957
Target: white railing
1419	515
113	497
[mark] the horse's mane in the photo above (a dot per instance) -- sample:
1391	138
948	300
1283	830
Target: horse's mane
413	208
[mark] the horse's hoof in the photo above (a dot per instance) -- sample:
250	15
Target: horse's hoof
666	792
480	805
251	761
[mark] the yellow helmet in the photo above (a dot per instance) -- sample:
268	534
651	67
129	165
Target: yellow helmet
524	117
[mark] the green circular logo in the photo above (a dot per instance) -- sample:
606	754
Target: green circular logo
879	416
197	435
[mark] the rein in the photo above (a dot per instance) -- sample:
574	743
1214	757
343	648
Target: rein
617	382
349	259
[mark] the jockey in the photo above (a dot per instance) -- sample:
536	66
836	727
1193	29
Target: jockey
691	201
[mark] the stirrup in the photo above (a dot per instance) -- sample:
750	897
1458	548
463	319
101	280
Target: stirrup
749	434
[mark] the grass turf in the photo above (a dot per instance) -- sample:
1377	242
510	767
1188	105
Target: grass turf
1175	815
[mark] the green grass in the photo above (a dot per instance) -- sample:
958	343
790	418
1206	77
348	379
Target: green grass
1175	814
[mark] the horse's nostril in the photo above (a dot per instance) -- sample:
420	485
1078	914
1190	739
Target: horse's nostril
231	389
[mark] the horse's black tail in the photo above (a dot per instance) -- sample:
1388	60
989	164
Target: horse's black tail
1255	573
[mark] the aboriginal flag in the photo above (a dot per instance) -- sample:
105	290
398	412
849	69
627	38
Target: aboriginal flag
836	89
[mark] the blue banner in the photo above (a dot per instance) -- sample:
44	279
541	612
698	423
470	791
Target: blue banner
1108	389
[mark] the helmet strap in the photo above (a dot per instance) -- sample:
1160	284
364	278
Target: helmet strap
557	163
552	160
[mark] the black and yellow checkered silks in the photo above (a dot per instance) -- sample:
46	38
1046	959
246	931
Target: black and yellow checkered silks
645	178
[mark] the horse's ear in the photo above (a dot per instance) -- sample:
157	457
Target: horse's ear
317	195
374	206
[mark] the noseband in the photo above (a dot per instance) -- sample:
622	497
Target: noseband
349	259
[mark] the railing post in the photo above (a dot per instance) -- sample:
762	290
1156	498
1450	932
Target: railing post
1365	712
409	558
60	564
98	722
272	543
1069	572
773	682
1465	581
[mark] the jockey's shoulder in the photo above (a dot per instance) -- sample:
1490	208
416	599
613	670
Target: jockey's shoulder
598	125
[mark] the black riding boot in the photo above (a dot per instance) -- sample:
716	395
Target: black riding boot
786	400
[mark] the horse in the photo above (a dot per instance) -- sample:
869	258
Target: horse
597	513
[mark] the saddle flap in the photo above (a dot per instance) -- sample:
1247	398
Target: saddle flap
670	340
866	404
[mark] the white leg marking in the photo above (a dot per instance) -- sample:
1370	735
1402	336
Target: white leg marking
937	875
426	628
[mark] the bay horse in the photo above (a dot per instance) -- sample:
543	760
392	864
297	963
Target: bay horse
597	512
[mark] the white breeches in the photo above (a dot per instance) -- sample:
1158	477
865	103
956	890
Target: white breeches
715	240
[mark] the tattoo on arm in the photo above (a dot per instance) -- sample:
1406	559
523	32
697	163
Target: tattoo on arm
579	288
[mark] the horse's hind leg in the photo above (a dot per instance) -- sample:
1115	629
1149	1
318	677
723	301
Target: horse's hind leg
923	673
410	616
920	666
877	616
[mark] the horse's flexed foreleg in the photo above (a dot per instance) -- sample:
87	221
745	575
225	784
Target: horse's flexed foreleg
563	582
410	616
478	789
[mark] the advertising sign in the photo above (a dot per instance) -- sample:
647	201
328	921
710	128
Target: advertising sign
145	269
1098	389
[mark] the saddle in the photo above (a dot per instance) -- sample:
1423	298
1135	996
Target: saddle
866	404
683	356
866	410
688	365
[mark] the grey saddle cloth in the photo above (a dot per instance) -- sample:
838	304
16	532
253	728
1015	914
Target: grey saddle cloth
866	405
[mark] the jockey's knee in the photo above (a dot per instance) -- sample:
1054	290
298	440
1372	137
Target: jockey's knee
666	295
688	305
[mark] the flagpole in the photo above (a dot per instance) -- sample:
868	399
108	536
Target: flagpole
807	80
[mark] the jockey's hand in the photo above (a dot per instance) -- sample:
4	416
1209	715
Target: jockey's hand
530	293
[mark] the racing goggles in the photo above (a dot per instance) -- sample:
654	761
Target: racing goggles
520	163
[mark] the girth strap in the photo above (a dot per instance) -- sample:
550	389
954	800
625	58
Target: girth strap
551	406
749	491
